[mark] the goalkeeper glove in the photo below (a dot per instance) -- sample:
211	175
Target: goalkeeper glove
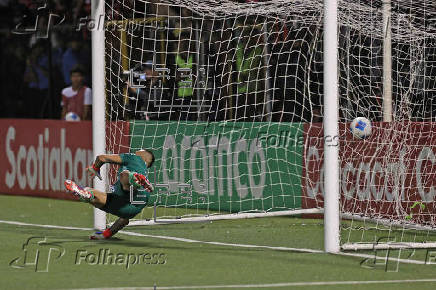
139	180
94	171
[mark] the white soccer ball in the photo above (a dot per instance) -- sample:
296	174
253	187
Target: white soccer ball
361	127
71	116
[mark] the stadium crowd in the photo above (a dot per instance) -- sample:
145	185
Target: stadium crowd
43	70
36	65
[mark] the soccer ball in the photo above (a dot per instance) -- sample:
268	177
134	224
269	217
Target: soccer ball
71	116
361	127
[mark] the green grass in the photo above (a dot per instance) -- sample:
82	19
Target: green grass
194	264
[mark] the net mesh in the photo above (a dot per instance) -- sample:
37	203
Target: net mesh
229	96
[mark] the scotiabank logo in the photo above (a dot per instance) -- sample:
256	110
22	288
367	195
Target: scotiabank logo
41	158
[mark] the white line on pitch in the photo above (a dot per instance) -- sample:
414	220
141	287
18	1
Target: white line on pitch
301	250
410	261
168	238
44	226
288	284
221	243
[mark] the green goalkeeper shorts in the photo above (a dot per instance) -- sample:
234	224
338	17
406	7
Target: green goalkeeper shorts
118	203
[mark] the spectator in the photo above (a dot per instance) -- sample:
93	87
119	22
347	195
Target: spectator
77	98
74	55
250	75
36	77
139	97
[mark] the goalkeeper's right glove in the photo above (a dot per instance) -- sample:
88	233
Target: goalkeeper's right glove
94	171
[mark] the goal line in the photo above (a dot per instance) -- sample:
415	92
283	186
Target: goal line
216	217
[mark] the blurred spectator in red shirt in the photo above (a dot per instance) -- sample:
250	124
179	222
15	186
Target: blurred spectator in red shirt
77	98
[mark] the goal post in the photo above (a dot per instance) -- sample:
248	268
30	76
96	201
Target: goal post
387	61
247	108
331	120
98	104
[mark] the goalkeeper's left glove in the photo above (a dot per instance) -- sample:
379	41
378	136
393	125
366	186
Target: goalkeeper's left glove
138	180
94	171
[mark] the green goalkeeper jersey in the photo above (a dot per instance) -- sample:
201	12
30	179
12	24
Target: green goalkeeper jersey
133	163
119	202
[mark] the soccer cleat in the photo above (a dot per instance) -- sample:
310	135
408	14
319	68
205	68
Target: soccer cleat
142	180
97	236
83	194
106	234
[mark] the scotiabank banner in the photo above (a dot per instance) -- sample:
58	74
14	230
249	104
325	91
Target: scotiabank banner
38	155
382	176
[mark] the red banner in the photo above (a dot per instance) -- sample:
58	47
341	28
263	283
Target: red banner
382	176
38	155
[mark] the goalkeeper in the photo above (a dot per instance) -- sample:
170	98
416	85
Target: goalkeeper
132	172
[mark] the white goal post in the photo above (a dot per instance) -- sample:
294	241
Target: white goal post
331	120
247	108
98	104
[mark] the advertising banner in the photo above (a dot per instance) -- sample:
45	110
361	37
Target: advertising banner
38	155
224	166
382	176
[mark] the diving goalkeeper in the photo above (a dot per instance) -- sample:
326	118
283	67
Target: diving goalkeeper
132	172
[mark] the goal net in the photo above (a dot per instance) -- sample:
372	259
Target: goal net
229	96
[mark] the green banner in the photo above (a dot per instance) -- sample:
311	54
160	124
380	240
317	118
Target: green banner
224	166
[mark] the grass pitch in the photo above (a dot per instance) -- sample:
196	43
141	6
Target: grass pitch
211	255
